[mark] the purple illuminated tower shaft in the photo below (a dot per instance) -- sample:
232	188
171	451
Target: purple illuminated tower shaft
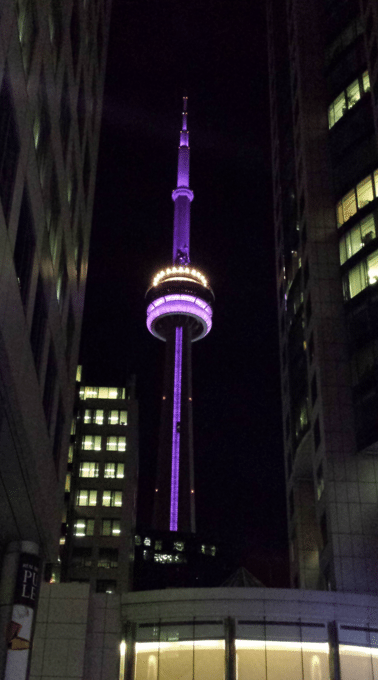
174	507
179	312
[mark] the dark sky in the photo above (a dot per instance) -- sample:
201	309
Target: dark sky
216	51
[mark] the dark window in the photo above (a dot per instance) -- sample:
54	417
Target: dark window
42	129
81	108
308	310
50	381
291	503
105	586
79	247
287	426
65	115
86	171
316	433
62	281
56	29
70	332
323	529
314	390
81	557
306	273
304	235
311	348
53	214
319	481
75	33
108	558
9	146
58	433
24	248
38	329
27	30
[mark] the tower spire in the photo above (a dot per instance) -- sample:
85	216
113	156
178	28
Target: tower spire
182	195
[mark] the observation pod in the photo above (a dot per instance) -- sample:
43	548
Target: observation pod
179	312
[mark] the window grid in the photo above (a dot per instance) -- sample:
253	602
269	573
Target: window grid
91	442
116	444
89	469
358	237
84	527
110	527
86	497
348	98
114	471
112	499
357	198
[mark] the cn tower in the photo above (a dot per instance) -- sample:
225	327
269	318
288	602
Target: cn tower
179	312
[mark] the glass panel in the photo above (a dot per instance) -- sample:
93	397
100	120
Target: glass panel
109	470
90	392
342	249
354	240
82	497
365	192
70	453
357	279
116	527
176	660
88	469
111	444
106	498
366	81
353	93
120	471
355	662
372	267
349	205
113	392
121	443
103	392
376	182
368	232
97	443
99	419
117	499
339	106
106	527
113	417
90	527
123	417
339	214
67	485
92	497
88	416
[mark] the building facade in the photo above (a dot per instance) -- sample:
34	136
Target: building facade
323	97
52	66
205	633
101	486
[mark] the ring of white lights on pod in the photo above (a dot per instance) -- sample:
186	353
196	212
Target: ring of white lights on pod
180	304
180	272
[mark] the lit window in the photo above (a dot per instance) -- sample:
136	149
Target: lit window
112	499
147	542
358	237
73	426
353	94
91	443
365	192
78	373
138	540
364	274
70	453
86	497
110	527
116	417
114	470
62	540
99	416
89	469
366	81
336	109
102	393
84	527
88	416
67	485
179	545
116	444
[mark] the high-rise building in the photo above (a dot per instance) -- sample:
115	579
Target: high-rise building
179	312
101	485
52	65
324	93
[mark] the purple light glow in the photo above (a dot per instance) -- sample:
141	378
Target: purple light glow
180	304
175	432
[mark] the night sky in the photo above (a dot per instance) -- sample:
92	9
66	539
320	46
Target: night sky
216	51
